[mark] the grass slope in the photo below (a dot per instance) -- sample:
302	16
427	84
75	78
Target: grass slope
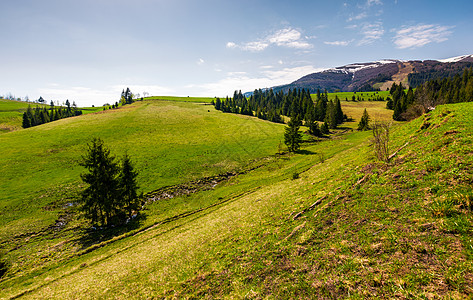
11	113
349	227
169	142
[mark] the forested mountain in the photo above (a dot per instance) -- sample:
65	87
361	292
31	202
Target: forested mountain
380	75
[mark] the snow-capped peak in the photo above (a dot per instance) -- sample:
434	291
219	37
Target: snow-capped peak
353	68
455	59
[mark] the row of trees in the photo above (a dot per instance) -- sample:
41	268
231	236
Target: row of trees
40	115
412	104
271	106
400	101
126	97
111	193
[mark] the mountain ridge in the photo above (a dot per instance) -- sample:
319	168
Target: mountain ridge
379	75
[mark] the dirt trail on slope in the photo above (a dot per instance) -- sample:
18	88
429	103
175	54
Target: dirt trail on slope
405	68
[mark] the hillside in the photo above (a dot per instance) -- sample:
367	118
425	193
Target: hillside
380	75
347	227
11	113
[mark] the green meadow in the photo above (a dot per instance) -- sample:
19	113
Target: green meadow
11	113
328	222
169	142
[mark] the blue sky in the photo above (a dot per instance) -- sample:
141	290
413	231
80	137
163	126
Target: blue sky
89	50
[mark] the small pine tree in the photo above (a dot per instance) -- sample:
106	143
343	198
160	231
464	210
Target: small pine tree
292	135
128	186
26	121
324	129
364	122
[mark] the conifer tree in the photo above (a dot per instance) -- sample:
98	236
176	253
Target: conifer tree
129	187
98	199
324	128
364	122
292	135
26	121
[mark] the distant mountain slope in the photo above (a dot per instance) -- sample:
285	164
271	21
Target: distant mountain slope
380	74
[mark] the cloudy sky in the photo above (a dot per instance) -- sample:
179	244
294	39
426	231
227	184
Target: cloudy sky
89	50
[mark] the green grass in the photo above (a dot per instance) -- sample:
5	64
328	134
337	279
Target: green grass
365	96
169	142
11	113
397	230
184	99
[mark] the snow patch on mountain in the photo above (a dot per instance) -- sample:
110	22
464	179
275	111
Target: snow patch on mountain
353	68
455	59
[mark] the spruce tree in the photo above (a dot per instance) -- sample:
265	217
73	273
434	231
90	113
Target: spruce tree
364	122
129	187
292	135
26	121
324	128
99	198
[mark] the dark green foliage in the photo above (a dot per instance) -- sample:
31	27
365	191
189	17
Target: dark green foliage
268	105
427	96
292	135
364	122
110	195
3	265
439	72
129	186
313	126
126	97
41	115
331	115
218	103
324	128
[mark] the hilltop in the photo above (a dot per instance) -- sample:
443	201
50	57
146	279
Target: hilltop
380	74
328	222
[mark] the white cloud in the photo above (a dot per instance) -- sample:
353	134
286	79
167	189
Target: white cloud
200	61
288	75
288	37
359	16
338	43
84	96
371	33
255	46
373	2
245	82
420	35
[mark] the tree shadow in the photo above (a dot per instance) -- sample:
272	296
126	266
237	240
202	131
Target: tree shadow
95	235
306	152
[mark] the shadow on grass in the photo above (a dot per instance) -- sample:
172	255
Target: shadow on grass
306	152
95	235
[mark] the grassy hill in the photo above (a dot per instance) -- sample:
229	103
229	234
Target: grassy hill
11	113
328	222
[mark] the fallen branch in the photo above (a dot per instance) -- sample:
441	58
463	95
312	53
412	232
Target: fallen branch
310	207
395	153
360	181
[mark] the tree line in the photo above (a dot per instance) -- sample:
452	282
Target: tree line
125	98
40	115
271	106
411	104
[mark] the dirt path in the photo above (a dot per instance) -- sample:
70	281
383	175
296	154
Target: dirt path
405	68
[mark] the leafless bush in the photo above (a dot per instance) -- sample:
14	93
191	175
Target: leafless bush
381	140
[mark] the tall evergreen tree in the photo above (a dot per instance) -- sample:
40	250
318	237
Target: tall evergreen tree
292	135
99	198
128	187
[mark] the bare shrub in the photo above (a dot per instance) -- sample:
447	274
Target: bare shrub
381	140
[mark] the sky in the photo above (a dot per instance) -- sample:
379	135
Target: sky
88	51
